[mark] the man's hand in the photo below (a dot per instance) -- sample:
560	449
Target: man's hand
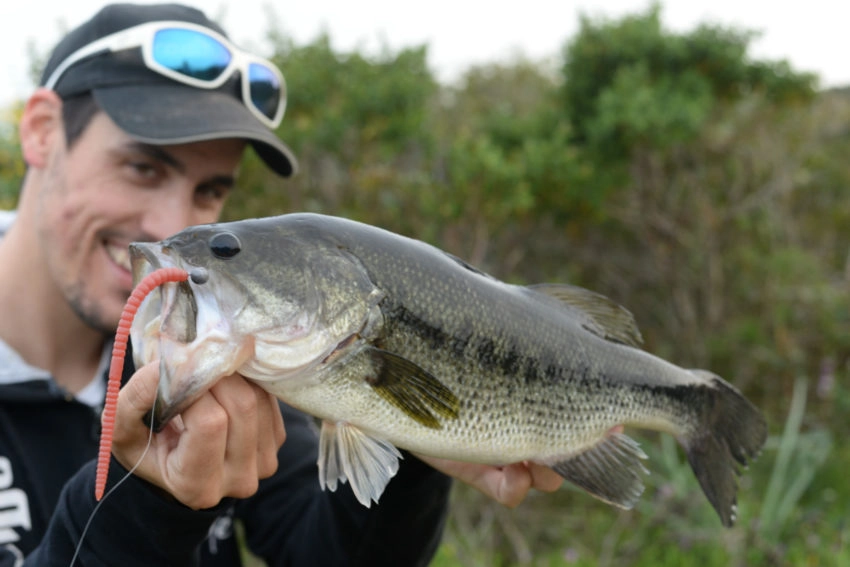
508	485
220	446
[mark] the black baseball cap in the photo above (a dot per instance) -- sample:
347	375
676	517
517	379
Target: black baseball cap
150	107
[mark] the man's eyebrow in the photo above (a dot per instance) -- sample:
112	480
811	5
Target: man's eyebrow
157	153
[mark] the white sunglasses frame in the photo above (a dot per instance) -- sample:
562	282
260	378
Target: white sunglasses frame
142	36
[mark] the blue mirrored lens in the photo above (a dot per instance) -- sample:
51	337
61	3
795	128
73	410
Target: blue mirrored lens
190	53
265	89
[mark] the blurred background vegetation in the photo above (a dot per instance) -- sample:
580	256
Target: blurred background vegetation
707	191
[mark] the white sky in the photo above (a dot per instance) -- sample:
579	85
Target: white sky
812	35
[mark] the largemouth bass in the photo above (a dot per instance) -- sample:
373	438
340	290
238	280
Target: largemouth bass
394	343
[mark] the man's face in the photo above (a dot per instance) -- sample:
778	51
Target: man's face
107	191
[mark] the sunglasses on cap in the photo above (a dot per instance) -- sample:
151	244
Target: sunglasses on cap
195	56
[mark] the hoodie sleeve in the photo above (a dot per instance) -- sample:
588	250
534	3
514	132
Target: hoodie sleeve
291	521
135	523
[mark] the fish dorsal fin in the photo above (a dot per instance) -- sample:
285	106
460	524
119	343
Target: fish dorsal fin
599	314
467	266
346	454
412	389
610	470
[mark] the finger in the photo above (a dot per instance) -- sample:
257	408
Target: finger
279	426
507	485
270	433
239	399
543	478
134	401
137	396
193	470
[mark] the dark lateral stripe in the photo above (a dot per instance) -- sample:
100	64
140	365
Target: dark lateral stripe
484	350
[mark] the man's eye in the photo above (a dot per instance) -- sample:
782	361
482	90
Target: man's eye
143	169
211	193
214	192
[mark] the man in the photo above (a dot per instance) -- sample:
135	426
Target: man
136	133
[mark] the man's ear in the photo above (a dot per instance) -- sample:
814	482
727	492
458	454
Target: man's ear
41	127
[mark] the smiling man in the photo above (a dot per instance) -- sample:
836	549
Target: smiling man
137	132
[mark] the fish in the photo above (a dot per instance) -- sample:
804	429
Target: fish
392	343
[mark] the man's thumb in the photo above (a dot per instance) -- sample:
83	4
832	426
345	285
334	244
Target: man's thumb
138	394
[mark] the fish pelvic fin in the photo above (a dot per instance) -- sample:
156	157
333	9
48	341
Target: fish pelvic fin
731	433
346	454
412	389
611	470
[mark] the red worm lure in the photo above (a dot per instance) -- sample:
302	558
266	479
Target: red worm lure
144	287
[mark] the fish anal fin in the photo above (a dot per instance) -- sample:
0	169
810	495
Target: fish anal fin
412	389
598	314
610	470
346	454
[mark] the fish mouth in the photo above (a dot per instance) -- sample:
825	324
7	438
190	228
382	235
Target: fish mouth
175	307
169	316
146	257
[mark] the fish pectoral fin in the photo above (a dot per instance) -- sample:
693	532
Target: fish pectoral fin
599	314
348	454
412	389
610	471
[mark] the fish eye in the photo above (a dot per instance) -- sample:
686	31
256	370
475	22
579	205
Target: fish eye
225	245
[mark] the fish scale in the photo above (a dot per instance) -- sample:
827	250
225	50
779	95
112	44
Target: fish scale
393	343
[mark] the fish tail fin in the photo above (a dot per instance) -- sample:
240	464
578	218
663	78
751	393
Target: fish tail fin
731	432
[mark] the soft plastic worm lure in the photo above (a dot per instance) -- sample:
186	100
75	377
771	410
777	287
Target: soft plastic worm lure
119	349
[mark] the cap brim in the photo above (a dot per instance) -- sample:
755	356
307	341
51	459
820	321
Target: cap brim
173	114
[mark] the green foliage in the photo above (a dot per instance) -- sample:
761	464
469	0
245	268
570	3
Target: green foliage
638	110
11	162
513	126
630	83
507	161
798	459
344	104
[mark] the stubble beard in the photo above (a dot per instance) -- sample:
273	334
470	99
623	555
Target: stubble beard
88	310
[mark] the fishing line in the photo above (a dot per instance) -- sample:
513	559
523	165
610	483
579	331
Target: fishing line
111	490
116	368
